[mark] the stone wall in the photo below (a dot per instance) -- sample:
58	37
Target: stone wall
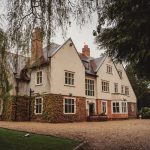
22	111
15	110
53	110
8	109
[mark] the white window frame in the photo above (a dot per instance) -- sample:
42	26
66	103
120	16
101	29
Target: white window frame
116	89
74	105
109	69
120	107
89	87
70	78
36	77
127	90
105	88
35	112
124	107
102	106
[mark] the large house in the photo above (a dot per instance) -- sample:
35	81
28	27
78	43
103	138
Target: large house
64	85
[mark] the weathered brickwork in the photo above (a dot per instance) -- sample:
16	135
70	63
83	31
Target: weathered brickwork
53	110
132	109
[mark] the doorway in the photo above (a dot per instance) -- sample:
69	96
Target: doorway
91	109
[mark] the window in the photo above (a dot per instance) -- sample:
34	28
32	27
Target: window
69	106
119	107
89	87
124	107
105	86
104	106
109	69
116	108
69	78
86	65
120	73
38	105
126	90
122	89
116	87
39	78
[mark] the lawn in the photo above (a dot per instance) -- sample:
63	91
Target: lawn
14	140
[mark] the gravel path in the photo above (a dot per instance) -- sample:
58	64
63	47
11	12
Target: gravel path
110	135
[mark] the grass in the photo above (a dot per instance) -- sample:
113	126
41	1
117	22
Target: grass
14	140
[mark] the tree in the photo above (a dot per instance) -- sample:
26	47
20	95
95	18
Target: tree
140	87
25	15
5	85
124	32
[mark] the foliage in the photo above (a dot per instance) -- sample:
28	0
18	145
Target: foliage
124	32
140	87
4	69
25	15
15	140
145	112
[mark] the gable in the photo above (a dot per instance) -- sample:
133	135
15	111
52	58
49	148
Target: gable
68	52
107	61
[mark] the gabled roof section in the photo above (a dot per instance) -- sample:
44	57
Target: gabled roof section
49	51
91	64
17	65
54	48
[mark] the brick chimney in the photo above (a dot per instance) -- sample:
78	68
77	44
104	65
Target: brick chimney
36	45
86	51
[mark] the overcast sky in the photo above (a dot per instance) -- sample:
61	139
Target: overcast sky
82	36
78	35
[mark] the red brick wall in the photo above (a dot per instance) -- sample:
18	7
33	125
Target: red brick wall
109	111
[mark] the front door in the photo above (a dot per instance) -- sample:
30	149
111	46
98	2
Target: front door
91	109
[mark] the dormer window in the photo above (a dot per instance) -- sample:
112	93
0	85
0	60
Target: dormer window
120	73
109	69
86	65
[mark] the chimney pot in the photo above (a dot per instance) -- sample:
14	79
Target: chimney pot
86	51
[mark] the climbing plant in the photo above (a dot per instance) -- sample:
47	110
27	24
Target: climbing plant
5	85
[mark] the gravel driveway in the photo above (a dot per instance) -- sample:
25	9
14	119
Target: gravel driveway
110	135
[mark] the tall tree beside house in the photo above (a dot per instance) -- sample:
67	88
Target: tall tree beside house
140	87
4	70
25	15
124	32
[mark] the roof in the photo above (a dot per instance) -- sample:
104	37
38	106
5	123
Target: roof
50	50
17	64
91	64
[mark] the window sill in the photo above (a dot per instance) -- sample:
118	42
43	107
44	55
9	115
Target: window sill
38	84
105	91
90	95
38	113
69	85
109	73
115	93
69	113
120	113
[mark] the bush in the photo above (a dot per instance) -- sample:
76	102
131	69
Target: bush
145	112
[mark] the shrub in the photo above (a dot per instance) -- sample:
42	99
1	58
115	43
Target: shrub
145	112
